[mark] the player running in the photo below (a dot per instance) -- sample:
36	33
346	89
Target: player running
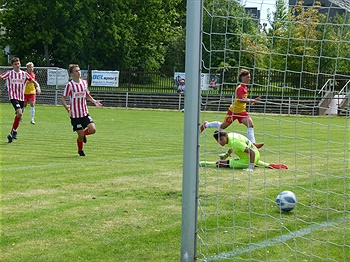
247	153
16	80
237	110
77	90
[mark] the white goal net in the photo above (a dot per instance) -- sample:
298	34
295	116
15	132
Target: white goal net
298	56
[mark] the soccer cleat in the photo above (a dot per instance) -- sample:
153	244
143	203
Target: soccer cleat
81	153
14	134
84	140
32	122
203	126
259	145
278	166
9	138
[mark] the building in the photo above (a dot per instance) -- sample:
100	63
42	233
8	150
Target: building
328	8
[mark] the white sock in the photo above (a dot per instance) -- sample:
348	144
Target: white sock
32	112
250	134
215	124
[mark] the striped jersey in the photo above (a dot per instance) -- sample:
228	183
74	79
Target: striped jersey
15	82
77	93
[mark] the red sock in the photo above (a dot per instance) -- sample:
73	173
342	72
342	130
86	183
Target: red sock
86	132
16	123
80	145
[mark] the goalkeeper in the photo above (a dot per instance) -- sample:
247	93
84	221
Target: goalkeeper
247	153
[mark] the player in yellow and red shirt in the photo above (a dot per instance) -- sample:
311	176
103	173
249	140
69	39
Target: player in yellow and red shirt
30	92
237	110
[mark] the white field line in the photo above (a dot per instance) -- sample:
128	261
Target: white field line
277	240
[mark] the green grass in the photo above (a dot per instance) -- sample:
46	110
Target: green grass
239	211
122	202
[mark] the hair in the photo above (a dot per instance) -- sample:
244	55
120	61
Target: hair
244	72
30	64
219	133
71	67
14	60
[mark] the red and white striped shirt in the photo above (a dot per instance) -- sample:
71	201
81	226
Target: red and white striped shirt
15	82
77	94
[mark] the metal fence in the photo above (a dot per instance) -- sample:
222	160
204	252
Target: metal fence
264	82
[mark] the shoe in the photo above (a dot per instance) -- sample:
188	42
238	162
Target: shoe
32	122
259	145
203	126
81	153
14	134
84	140
9	137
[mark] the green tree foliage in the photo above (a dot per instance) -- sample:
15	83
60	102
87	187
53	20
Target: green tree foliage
115	34
29	29
303	40
227	27
335	52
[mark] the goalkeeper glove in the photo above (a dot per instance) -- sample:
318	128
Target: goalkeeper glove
250	168
226	155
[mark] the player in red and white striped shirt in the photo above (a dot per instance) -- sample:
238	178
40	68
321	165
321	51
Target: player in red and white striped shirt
78	92
16	80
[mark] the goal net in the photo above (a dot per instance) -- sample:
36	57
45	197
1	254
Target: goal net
298	57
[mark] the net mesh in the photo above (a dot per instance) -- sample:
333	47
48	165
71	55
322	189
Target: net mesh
299	67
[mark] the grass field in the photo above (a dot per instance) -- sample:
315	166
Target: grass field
122	202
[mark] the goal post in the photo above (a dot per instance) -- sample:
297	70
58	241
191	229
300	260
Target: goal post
191	136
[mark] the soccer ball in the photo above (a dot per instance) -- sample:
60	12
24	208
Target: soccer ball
286	201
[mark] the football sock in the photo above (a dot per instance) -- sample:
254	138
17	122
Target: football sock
32	112
250	134
86	132
215	124
80	145
16	123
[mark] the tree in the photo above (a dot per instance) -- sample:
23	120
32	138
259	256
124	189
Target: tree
28	28
226	29
115	34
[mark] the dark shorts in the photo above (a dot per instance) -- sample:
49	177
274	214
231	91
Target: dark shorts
81	123
17	104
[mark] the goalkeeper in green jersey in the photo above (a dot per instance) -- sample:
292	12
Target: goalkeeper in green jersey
248	155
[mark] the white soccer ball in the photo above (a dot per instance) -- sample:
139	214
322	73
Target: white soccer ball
286	201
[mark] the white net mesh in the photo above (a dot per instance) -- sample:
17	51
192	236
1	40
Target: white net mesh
299	63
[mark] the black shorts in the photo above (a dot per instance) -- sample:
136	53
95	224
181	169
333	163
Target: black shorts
17	104
81	123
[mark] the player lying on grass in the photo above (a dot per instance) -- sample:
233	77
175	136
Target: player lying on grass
247	153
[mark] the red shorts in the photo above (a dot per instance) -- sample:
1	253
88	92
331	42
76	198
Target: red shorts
231	117
29	97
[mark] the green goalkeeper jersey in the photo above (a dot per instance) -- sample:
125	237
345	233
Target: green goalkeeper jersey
238	143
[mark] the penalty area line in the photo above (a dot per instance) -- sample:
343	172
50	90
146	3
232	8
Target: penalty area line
277	240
